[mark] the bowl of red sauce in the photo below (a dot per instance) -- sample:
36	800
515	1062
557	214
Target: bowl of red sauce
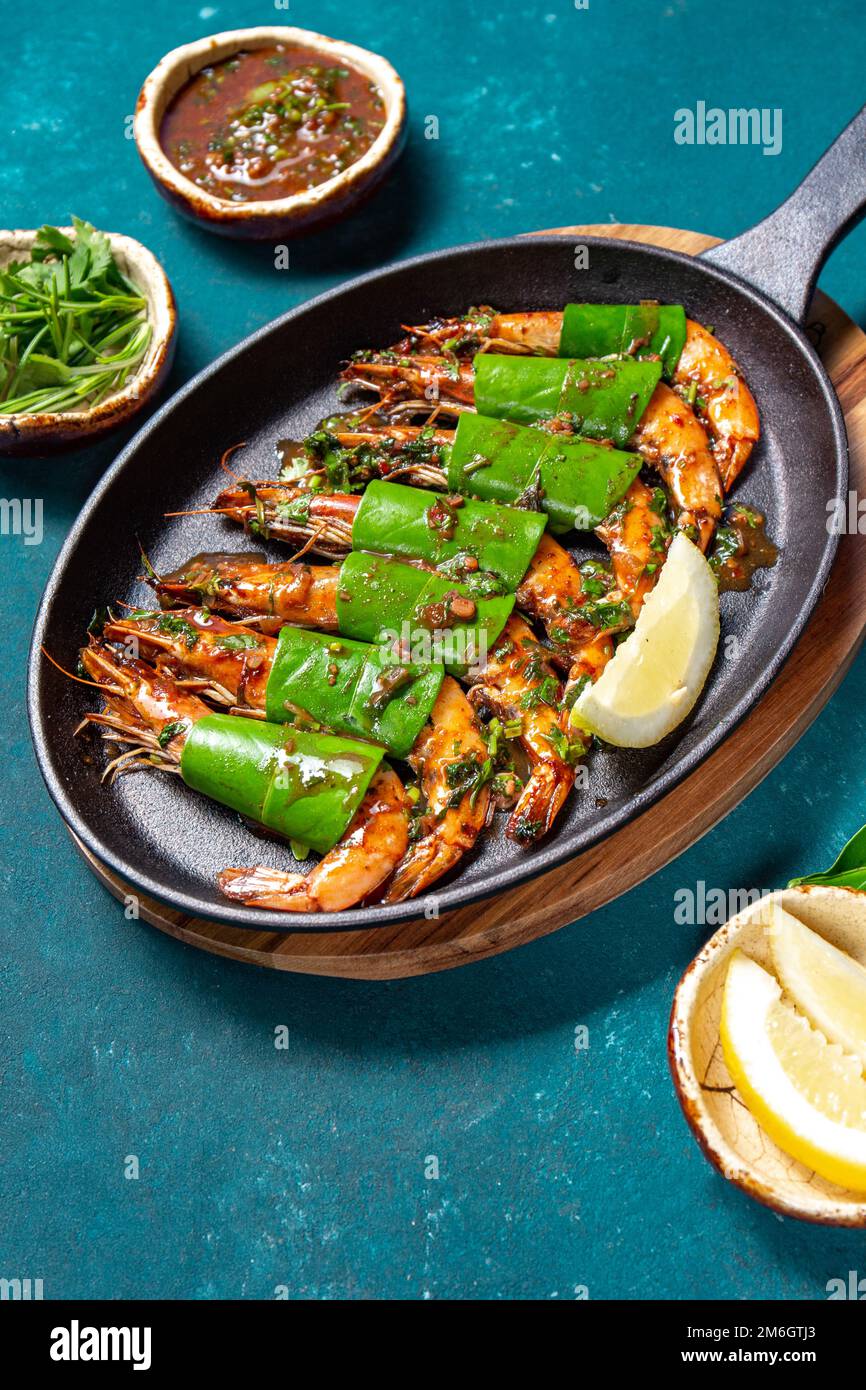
269	131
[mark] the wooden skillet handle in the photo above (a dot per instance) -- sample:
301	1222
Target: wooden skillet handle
783	254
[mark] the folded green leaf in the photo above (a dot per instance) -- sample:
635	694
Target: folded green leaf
51	239
848	871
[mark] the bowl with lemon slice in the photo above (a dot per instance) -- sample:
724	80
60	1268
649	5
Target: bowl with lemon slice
767	1046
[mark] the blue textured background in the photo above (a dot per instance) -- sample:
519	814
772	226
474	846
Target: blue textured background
306	1167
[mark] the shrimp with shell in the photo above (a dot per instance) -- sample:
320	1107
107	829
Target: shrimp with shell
496	736
553	590
354	870
452	761
706	373
229	664
151	711
669	435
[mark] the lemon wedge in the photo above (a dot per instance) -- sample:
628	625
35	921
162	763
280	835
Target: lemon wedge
656	675
807	1093
826	984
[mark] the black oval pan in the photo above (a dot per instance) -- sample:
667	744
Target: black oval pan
170	843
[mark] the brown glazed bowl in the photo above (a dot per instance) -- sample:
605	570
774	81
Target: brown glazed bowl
725	1129
278	217
45	433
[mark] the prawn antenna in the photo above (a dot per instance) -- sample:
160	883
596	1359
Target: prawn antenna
204	511
113	689
224	461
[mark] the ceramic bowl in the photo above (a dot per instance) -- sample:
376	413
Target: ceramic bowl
42	433
278	217
726	1131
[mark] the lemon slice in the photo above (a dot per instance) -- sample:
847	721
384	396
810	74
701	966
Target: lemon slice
658	672
827	985
807	1093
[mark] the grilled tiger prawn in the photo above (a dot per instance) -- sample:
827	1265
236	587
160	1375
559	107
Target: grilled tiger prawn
230	663
551	410
584	608
668	435
247	586
552	591
150	710
451	758
356	868
520	686
706	371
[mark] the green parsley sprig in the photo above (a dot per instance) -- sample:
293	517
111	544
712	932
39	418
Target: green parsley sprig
73	329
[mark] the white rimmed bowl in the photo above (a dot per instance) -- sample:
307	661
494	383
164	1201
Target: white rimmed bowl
278	217
45	432
725	1129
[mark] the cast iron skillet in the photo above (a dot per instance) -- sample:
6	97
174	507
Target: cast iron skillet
168	842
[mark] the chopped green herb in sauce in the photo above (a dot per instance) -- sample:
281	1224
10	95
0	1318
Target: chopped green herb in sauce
271	123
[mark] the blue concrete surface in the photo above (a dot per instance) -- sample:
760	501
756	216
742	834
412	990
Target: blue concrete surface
308	1168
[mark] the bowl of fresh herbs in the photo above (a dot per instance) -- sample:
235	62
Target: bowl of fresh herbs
87	330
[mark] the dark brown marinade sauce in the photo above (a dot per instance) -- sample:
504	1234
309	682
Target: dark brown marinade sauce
270	123
453	607
389	683
742	546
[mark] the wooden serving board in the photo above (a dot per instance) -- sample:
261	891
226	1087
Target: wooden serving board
811	674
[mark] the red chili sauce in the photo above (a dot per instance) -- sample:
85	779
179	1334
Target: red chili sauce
270	123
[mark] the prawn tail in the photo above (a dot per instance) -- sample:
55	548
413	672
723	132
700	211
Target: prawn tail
540	802
733	460
426	861
261	886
